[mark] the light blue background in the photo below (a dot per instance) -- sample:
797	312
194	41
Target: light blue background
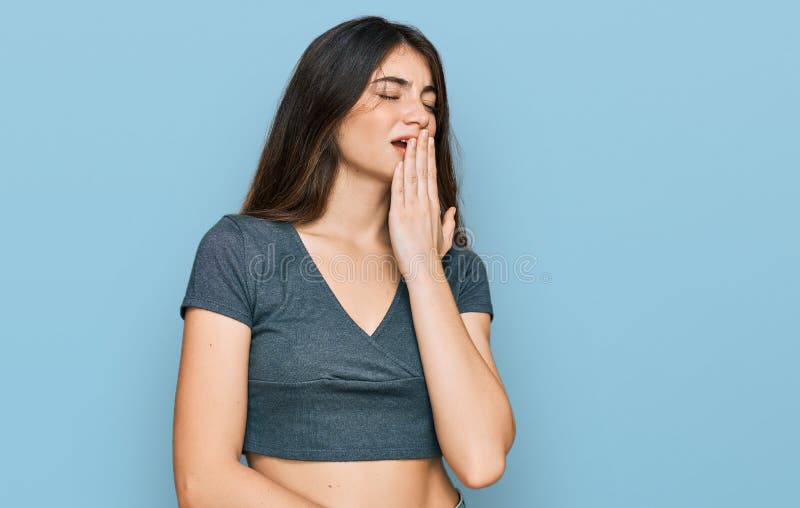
645	153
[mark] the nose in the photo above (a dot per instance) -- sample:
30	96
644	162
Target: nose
416	113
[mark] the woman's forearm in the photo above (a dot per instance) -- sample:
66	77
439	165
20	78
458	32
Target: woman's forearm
471	410
237	485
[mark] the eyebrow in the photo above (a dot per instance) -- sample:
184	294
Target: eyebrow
404	83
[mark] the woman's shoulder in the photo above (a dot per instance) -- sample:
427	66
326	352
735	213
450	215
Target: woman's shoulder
245	228
241	219
461	259
249	236
253	227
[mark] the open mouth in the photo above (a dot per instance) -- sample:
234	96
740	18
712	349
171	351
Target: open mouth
400	145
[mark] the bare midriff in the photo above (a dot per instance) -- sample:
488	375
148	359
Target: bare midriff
421	483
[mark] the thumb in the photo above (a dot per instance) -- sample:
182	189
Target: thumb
452	212
449	226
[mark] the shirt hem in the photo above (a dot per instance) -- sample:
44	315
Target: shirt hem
345	455
476	308
217	307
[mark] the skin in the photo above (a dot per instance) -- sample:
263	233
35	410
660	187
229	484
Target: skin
382	203
396	216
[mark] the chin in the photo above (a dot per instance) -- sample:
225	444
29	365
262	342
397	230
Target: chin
383	170
383	173
388	174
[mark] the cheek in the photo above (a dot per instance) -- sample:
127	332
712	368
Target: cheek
370	127
364	141
354	135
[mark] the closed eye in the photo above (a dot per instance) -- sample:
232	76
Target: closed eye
432	109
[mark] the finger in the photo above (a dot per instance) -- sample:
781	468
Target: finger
449	228
432	192
422	167
397	185
410	173
433	186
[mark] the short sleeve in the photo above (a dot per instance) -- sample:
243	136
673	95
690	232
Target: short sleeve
474	294
218	280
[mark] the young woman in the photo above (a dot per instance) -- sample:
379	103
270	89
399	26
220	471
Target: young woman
343	389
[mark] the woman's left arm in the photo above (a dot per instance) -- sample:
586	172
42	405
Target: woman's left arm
471	410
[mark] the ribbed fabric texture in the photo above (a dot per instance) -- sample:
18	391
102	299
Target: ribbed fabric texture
320	387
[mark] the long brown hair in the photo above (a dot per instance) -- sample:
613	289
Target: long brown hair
298	163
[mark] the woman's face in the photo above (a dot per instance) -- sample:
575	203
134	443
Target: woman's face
396	103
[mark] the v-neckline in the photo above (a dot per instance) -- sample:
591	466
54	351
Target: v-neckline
332	295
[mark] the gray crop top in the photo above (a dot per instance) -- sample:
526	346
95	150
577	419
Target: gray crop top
319	387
